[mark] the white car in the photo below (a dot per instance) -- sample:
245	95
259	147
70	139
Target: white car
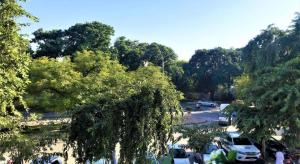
205	103
100	161
47	160
178	154
245	149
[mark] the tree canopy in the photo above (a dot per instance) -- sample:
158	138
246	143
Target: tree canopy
87	36
14	61
210	68
270	86
135	111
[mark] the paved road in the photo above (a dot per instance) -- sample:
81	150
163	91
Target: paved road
202	115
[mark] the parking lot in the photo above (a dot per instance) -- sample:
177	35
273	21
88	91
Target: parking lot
199	115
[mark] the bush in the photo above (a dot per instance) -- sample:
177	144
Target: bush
231	156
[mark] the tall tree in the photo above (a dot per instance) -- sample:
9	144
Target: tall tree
159	55
50	43
275	92
130	53
54	85
119	114
264	50
271	84
92	36
88	36
210	68
14	61
175	71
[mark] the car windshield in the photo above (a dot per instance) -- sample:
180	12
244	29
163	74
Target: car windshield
179	153
241	141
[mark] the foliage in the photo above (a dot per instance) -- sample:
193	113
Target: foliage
272	47
231	156
54	85
59	84
263	50
175	71
270	87
91	36
210	68
140	117
217	156
30	141
200	136
275	93
14	61
159	55
130	53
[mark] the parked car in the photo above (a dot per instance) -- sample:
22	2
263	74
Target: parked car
47	160
178	154
205	103
206	155
223	117
246	150
272	146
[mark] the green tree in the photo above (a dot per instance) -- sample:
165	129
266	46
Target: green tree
92	36
143	105
57	85
272	47
88	36
264	50
200	136
50	43
274	92
14	61
210	68
54	85
159	55
130	53
270	87
176	72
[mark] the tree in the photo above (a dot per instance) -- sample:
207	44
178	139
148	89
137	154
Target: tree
14	61
54	85
159	55
271	47
264	50
88	36
210	68
270	87
176	72
50	43
135	111
130	53
57	85
274	92
200	136
92	36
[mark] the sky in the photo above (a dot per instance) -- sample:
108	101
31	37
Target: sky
183	25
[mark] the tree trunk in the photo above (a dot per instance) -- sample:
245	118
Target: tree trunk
263	149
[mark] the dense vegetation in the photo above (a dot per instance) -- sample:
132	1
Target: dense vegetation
126	93
271	84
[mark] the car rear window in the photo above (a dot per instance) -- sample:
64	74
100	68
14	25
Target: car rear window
241	141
